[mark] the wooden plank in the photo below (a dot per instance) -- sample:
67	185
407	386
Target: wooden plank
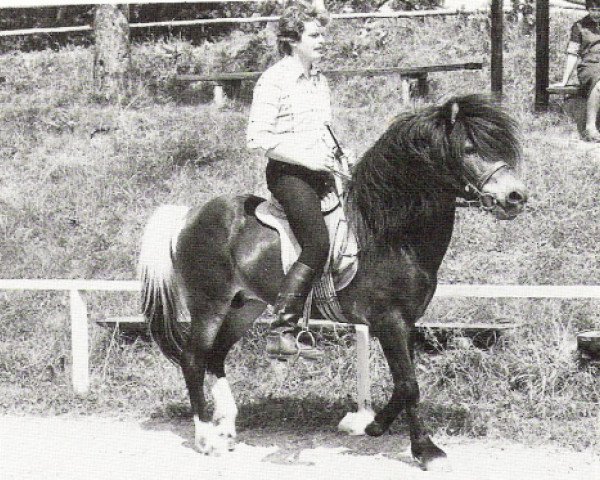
408	71
56	3
519	291
435	336
445	290
213	21
79	343
59	284
365	72
37	31
566	90
464	326
424	325
126	320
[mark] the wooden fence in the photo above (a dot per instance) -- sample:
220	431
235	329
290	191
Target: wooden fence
80	320
233	20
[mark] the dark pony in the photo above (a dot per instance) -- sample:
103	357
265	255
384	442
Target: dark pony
218	267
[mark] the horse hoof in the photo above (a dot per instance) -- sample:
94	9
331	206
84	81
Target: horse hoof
374	429
208	450
216	447
355	423
441	464
213	440
434	459
229	442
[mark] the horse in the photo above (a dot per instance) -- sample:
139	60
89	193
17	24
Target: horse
218	266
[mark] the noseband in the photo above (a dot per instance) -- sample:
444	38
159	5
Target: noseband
475	185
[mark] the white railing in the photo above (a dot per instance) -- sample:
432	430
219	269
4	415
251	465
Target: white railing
78	313
80	320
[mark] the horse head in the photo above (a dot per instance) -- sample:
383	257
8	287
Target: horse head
485	145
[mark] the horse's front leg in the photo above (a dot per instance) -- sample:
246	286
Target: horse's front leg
396	342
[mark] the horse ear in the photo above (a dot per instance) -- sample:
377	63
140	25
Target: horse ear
453	113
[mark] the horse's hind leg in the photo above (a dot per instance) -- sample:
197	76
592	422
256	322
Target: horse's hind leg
225	411
194	363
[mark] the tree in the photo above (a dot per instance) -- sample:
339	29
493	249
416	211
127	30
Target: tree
112	56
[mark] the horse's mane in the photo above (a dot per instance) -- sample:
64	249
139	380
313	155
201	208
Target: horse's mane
416	164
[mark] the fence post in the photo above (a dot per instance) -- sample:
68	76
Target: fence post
362	367
497	19
542	54
79	343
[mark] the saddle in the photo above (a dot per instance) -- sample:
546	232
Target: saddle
342	264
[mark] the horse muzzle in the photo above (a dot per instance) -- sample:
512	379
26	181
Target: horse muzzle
506	204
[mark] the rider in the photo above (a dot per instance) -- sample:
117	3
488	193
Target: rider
290	111
584	46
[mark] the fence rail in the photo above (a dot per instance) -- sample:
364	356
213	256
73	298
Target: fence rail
80	319
71	3
444	290
238	20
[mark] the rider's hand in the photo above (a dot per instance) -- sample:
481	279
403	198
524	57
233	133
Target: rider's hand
350	156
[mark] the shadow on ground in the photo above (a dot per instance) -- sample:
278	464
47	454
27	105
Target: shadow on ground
292	425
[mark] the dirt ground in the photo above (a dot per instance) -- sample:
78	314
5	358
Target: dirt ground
102	448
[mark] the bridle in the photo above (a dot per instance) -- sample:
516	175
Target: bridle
473	185
476	183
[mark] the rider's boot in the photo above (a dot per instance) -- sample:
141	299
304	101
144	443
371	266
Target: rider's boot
282	341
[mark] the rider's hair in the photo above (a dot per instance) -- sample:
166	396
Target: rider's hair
291	24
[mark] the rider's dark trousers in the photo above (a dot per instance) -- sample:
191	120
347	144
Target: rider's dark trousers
299	191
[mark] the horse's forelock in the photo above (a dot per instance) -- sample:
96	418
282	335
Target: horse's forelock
492	131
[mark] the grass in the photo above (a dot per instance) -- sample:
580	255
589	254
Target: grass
80	180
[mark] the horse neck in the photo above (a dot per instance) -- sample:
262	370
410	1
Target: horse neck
424	237
429	239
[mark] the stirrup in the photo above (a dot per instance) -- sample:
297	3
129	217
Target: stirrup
278	349
312	345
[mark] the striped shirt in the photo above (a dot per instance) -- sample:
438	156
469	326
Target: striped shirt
289	105
585	33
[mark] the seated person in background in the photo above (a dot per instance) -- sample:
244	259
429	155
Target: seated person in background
584	46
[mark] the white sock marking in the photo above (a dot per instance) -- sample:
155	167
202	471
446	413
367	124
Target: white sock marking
226	410
355	423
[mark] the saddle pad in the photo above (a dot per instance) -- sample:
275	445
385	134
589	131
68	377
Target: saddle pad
343	253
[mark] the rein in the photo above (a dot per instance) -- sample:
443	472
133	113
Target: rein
485	201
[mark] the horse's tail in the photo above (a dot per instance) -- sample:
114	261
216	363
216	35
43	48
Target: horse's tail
162	303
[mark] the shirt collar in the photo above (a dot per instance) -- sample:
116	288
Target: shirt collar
296	68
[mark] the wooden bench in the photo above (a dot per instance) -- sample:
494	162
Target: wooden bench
436	335
233	80
566	91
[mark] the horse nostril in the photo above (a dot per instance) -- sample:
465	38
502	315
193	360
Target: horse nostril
516	198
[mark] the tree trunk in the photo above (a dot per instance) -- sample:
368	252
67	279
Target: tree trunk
112	57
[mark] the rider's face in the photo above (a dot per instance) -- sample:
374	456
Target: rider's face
310	46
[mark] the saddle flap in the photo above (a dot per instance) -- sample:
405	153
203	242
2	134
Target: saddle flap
343	253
